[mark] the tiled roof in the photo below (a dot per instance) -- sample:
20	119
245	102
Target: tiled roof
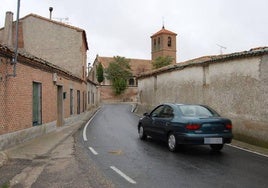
163	31
207	60
138	66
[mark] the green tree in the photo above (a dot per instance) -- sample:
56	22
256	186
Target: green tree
100	76
118	72
162	61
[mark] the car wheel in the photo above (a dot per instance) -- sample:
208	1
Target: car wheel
216	147
172	142
142	135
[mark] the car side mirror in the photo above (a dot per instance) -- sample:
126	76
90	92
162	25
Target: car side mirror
146	114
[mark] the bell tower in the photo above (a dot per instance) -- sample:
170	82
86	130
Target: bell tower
164	44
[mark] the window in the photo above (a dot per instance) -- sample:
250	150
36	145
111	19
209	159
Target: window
157	111
167	112
163	111
131	82
169	41
196	111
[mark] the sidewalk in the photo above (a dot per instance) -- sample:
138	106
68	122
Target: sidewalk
43	145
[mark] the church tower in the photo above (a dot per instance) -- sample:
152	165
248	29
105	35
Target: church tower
164	44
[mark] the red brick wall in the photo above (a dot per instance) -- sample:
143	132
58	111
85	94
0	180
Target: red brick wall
17	93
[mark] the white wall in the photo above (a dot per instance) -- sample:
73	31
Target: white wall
237	88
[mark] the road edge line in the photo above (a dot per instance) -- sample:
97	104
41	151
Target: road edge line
130	180
247	150
85	128
93	150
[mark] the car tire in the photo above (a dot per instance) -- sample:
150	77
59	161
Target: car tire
142	134
172	143
216	147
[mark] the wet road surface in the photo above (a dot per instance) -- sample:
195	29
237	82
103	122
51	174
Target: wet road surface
112	142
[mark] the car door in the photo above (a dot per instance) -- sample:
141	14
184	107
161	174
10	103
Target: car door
161	123
154	116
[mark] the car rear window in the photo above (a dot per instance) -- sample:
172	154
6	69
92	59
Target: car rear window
196	111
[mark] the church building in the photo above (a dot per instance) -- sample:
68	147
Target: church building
163	43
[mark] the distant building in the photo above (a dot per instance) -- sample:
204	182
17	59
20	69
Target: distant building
163	43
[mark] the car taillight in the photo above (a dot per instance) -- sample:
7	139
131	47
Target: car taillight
228	126
192	126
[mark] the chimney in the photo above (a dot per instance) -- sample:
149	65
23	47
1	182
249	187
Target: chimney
8	31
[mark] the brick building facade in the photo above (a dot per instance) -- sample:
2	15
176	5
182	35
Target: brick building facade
163	43
34	75
48	83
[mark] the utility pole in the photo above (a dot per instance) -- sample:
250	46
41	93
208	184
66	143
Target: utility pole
15	59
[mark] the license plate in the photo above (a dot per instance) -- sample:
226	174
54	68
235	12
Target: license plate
213	141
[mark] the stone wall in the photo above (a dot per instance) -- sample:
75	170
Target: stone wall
235	85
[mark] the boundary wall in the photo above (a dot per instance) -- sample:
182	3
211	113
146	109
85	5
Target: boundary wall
235	85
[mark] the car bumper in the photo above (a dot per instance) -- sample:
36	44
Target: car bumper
200	139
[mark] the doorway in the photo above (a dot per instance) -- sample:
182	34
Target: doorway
78	102
37	103
59	106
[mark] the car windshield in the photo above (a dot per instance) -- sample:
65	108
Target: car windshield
196	111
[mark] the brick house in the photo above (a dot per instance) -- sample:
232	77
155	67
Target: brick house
46	89
53	41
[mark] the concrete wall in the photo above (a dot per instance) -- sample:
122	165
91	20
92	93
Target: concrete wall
237	88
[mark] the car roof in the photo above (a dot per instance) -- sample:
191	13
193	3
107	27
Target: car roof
180	104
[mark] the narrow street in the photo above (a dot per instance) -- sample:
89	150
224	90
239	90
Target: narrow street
107	153
114	145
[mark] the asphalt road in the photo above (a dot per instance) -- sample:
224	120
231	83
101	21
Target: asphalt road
112	142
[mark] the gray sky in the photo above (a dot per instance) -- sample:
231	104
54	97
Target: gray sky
124	27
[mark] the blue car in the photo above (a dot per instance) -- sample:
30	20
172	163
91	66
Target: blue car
182	124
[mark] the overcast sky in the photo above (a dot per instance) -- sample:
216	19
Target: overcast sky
124	27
